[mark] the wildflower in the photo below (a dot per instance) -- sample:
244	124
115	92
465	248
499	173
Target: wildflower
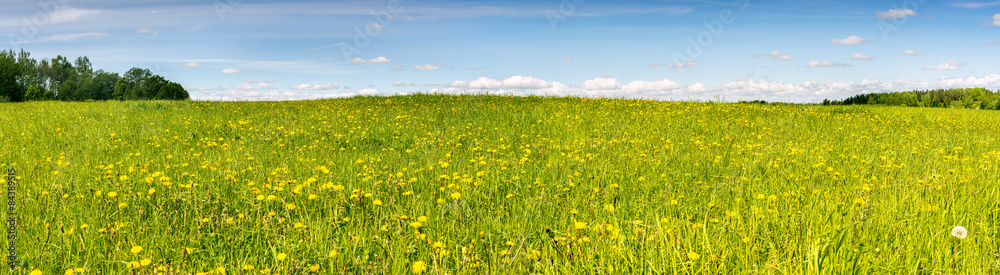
333	253
290	206
111	194
580	225
145	262
693	256
959	232
122	205
456	196
314	268
247	267
136	249
418	267
132	264
36	272
377	202
281	256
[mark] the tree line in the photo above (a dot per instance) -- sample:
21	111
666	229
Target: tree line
23	78
971	98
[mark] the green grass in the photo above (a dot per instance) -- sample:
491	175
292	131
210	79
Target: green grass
655	187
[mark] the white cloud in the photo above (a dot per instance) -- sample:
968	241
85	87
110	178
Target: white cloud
432	84
71	37
317	87
826	64
851	40
567	58
894	13
145	31
912	52
189	65
206	90
859	56
427	67
399	68
458	84
996	21
647	86
261	86
776	55
239	95
375	27
235	71
485	83
525	82
399	84
377	60
950	65
601	84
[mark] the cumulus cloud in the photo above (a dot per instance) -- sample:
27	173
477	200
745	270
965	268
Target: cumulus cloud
241	95
316	87
859	56
525	82
894	13
912	52
377	60
776	55
485	83
458	84
826	64
601	84
427	67
996	21
648	86
189	65
399	68
851	40
399	84
947	66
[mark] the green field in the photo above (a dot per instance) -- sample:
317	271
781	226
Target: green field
486	184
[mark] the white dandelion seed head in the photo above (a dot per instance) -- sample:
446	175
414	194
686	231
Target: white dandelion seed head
960	232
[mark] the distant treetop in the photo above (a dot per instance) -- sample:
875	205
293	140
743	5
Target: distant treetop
25	79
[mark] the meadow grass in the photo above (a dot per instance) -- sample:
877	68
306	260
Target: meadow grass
491	184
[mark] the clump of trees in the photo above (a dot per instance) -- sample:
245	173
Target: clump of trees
25	79
971	98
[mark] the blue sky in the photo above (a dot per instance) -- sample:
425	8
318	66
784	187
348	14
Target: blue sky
799	51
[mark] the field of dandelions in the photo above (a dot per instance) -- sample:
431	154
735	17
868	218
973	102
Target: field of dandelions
498	185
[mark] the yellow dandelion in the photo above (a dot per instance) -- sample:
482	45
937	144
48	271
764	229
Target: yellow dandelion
281	256
693	256
377	202
456	196
580	225
417	267
135	249
111	194
145	262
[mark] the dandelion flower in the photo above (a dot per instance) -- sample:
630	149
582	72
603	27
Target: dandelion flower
136	249
132	264
145	262
693	256
418	267
960	232
333	253
456	196
36	272
281	256
377	202
580	225
111	194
